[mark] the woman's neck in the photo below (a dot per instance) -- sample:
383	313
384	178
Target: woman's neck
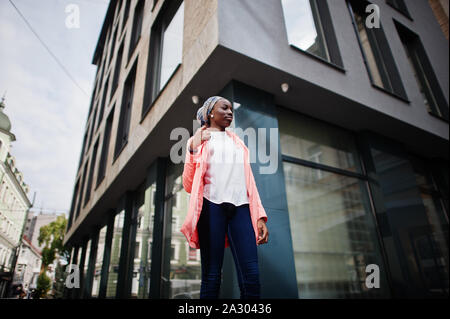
216	129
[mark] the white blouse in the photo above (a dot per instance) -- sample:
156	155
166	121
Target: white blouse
224	179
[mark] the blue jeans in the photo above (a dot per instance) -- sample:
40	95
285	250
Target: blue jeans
215	221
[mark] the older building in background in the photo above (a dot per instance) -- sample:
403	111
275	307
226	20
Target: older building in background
34	223
28	265
14	205
352	121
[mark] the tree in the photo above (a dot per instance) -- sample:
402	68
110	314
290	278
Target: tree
43	285
52	236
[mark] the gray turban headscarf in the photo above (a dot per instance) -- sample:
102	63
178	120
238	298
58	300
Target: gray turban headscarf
205	110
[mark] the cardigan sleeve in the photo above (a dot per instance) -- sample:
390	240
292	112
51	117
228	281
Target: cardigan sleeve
261	211
190	165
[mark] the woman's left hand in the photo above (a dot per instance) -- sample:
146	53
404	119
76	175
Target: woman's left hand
263	232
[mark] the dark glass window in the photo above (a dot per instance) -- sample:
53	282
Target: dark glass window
427	82
125	111
137	26
87	196
117	68
309	28
126	13
82	149
72	208
83	180
91	133
166	48
414	225
105	148
113	44
377	55
103	103
333	228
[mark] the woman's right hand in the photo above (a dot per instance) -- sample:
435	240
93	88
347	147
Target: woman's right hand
202	134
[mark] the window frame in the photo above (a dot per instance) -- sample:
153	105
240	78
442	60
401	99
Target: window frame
105	148
88	190
153	76
117	69
325	30
428	80
136	30
382	55
123	129
402	8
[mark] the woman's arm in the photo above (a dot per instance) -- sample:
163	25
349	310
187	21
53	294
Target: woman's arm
189	166
193	158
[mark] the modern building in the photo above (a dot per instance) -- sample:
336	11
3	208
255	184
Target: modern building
14	204
346	115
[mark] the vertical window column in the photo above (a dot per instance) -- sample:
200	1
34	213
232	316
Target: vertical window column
381	67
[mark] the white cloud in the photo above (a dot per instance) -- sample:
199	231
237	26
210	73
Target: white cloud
47	111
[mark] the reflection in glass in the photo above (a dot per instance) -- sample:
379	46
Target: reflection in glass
311	140
304	27
182	269
416	235
416	76
423	78
115	255
99	262
86	259
144	232
333	234
172	46
369	52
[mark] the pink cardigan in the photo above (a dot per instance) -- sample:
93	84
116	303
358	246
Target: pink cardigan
194	170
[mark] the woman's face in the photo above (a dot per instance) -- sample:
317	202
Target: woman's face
223	113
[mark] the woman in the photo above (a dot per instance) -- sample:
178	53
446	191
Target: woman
224	208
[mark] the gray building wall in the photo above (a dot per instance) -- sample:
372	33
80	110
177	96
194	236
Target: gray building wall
256	29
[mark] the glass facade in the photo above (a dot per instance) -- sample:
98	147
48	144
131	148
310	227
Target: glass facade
172	46
332	226
145	206
181	265
113	272
98	262
414	225
317	143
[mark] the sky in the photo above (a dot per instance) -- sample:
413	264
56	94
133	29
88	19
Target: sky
47	110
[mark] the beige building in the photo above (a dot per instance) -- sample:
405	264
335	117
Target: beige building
14	204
